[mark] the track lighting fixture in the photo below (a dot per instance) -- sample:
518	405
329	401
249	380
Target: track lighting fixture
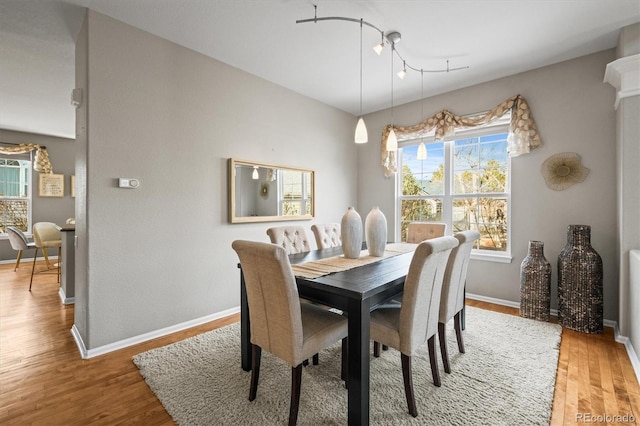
392	38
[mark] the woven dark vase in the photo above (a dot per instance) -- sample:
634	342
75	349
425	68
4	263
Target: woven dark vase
535	284
580	282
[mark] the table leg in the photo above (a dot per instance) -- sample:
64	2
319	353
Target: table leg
245	329
358	392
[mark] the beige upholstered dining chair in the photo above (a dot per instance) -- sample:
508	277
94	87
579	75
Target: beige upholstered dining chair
407	328
452	299
19	242
280	324
292	238
46	235
327	235
420	231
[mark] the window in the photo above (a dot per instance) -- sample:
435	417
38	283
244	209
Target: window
15	193
463	183
294	193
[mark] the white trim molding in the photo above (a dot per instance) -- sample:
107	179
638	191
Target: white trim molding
624	75
63	297
101	350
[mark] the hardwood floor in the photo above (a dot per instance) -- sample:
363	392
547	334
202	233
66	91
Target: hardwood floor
44	381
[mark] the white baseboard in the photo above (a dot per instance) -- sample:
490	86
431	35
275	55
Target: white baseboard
63	297
101	350
633	356
25	260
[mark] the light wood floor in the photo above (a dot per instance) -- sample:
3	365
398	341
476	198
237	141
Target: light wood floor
44	381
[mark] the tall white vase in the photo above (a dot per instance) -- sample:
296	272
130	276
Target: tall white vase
351	234
375	226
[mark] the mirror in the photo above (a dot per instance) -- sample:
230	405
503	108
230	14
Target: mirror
260	192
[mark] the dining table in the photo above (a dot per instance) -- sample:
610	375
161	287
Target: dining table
355	287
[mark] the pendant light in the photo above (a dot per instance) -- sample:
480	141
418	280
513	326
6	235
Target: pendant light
422	150
392	140
361	135
255	174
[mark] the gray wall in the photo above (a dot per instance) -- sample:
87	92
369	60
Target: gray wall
45	209
161	255
574	112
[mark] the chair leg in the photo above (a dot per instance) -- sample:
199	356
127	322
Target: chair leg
18	260
457	323
433	359
407	375
443	347
46	257
255	371
296	382
33	268
316	359
385	347
376	349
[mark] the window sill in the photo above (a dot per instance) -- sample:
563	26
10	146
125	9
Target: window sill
498	258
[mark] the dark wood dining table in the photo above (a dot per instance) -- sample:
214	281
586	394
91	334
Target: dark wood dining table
356	292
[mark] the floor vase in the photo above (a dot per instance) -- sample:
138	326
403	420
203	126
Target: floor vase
375	229
351	234
580	301
535	284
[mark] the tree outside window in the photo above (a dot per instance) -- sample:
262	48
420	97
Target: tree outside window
463	183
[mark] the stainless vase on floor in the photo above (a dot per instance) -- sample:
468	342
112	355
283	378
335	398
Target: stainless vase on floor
535	284
580	283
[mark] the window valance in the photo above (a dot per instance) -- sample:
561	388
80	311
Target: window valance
41	162
523	132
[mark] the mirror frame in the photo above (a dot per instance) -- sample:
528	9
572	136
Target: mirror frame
233	162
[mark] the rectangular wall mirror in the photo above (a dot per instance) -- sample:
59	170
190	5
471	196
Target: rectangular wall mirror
260	192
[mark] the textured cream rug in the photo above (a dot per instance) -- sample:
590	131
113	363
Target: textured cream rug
506	377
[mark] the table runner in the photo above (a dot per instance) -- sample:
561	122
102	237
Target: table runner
330	265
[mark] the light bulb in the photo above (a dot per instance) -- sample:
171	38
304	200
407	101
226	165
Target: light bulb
402	73
392	141
422	151
378	48
361	135
255	175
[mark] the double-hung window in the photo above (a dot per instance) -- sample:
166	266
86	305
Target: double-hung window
15	192
294	193
463	182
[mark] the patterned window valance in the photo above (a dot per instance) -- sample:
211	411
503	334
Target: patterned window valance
523	133
42	164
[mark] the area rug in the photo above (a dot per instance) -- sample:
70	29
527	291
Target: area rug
506	377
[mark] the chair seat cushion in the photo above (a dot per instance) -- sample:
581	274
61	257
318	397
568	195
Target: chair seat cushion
320	329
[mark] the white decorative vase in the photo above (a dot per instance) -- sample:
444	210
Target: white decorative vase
375	226
351	234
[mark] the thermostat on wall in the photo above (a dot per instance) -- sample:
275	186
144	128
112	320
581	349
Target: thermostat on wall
128	183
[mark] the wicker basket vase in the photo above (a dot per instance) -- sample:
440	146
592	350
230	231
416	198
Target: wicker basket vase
580	282
535	284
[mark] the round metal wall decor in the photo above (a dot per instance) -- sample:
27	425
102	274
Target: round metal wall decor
560	171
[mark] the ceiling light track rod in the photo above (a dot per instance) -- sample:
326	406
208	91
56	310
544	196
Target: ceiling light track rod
392	37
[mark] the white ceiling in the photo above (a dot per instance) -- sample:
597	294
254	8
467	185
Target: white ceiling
494	38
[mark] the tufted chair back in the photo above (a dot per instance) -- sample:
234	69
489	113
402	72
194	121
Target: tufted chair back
418	232
327	235
292	238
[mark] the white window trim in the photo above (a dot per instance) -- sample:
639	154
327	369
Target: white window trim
26	157
499	126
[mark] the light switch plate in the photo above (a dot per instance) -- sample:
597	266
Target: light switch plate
128	183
